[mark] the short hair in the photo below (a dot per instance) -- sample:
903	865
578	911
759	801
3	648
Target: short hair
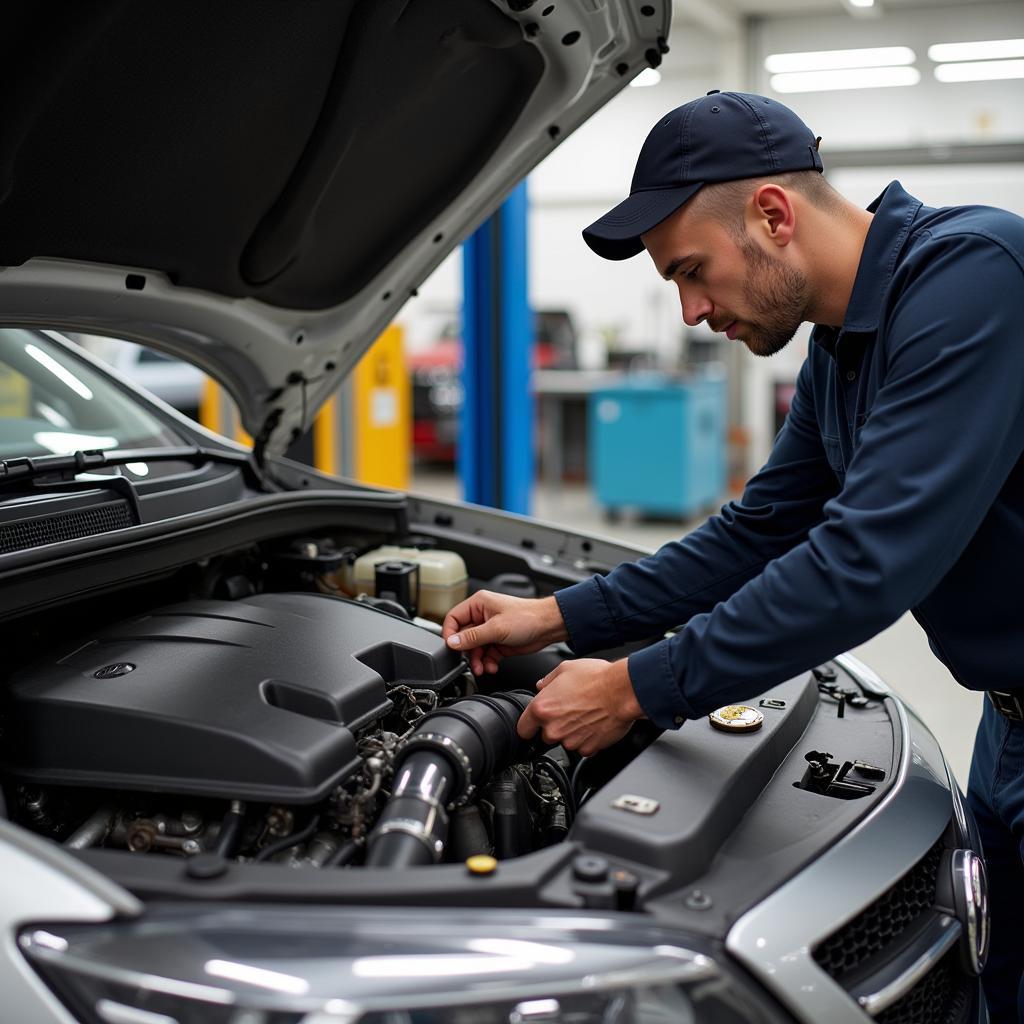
725	200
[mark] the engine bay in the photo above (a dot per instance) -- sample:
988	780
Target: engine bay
271	727
291	703
260	699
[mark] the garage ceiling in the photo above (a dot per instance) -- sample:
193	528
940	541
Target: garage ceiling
742	8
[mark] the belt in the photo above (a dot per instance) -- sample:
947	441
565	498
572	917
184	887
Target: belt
1009	705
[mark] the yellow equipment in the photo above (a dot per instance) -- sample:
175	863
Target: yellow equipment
363	432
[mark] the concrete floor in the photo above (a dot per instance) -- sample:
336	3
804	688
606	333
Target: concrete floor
900	654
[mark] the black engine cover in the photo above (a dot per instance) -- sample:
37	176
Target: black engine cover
256	699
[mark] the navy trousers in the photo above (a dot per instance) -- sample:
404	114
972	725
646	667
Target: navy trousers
995	793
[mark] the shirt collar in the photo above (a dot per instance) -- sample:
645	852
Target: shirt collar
894	210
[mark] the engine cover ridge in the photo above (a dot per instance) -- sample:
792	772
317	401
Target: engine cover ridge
257	699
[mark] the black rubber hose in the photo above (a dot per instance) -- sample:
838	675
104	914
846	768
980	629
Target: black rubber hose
577	784
467	835
413	827
506	796
450	751
230	830
399	850
289	841
343	854
557	775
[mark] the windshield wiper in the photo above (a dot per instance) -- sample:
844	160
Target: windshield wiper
14	472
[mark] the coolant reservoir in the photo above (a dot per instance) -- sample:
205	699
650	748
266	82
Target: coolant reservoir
442	577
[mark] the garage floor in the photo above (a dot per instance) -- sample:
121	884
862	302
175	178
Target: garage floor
900	654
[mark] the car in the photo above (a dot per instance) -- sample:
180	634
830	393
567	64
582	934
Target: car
437	383
175	381
243	778
436	376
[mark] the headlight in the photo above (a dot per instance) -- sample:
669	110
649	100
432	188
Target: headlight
328	966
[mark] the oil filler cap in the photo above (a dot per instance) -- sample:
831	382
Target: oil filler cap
481	864
736	718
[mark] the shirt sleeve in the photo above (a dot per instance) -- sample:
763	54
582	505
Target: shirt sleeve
946	429
778	507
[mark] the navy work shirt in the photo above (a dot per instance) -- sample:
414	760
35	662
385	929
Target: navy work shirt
896	482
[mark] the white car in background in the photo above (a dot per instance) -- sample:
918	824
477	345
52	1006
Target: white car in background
174	381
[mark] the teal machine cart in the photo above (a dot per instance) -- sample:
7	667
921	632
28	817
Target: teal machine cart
658	444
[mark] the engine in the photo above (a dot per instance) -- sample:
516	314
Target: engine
305	728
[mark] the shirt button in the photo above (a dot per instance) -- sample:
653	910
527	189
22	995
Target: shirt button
679	719
851	374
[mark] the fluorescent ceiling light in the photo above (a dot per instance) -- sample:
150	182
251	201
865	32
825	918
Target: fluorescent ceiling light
830	60
62	442
850	78
980	71
62	373
437	965
862	8
259	976
649	76
987	49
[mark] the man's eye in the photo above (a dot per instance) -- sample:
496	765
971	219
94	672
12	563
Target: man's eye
691	275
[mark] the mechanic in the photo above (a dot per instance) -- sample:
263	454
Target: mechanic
895	483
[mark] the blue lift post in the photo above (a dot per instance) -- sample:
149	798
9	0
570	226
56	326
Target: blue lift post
495	455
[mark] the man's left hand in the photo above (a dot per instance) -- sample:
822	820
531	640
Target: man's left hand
584	705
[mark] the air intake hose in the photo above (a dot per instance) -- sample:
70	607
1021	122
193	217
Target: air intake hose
451	752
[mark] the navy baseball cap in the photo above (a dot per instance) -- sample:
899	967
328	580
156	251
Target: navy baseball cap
723	136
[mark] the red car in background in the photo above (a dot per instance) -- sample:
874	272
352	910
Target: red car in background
437	383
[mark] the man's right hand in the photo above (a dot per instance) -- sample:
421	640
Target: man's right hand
488	627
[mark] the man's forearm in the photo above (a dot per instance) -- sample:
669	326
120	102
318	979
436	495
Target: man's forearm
550	624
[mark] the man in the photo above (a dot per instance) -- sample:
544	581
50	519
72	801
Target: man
896	482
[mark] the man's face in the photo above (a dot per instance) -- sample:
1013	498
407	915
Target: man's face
731	282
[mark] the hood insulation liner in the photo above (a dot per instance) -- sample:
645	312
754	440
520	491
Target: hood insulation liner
281	151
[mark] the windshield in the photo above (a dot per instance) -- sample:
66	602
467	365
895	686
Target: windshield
52	403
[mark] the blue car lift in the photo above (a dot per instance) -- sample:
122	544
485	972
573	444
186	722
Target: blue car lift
495	452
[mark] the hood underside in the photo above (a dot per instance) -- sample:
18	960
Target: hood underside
259	186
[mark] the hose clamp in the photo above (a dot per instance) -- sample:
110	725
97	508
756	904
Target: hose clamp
433	740
413	828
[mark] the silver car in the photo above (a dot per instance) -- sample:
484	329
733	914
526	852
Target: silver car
242	779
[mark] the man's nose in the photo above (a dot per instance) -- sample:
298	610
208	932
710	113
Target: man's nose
696	308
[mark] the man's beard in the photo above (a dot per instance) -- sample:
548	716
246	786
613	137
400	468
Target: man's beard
778	297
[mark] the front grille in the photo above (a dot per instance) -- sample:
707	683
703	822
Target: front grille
882	923
943	996
31	533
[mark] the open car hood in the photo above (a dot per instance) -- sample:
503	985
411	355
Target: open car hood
258	187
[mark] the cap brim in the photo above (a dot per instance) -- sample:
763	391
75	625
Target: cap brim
616	236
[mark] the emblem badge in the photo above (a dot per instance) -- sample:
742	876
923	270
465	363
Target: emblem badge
736	718
119	668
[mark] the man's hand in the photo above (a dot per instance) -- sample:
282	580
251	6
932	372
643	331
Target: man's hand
585	705
488	627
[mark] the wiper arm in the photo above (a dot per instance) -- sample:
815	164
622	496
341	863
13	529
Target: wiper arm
65	467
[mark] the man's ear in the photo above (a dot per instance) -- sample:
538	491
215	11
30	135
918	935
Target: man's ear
771	214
